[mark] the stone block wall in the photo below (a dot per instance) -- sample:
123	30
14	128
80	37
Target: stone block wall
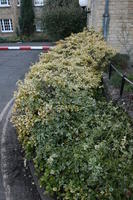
96	15
13	12
118	11
120	34
9	13
130	26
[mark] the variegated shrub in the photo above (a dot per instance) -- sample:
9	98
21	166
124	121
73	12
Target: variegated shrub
82	146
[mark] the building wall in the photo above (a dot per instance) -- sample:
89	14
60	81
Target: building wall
120	33
130	25
118	11
9	13
13	12
96	15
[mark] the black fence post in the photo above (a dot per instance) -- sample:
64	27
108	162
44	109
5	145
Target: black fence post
110	70
123	76
122	85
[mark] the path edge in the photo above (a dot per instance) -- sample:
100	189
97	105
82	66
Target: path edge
30	164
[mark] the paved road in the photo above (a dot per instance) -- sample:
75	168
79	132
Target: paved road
27	44
13	66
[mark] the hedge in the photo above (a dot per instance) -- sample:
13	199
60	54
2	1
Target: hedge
82	146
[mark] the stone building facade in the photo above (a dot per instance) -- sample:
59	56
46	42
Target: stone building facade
9	16
115	19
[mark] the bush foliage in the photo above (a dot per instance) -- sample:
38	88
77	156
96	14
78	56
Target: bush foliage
62	17
82	146
26	20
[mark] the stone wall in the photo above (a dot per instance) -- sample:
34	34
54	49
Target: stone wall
9	13
120	34
130	26
96	15
13	12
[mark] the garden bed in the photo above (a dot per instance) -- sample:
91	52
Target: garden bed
113	93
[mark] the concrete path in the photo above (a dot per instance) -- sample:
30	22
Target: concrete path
13	66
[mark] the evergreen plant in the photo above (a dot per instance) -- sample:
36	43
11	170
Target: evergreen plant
62	17
26	20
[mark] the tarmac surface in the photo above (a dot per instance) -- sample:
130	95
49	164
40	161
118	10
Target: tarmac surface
16	176
27	44
13	176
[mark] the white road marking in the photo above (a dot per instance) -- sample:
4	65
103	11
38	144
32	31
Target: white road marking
36	48
5	109
13	48
3	157
45	47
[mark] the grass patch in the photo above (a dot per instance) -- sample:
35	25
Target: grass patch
116	82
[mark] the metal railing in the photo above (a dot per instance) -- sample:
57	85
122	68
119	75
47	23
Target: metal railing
124	78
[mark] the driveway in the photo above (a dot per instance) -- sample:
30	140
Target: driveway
13	66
